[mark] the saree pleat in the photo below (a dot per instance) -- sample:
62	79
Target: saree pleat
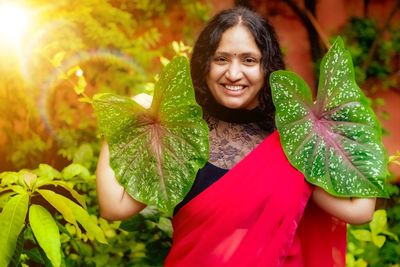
323	238
249	217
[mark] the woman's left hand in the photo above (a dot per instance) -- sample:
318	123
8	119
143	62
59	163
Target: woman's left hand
349	210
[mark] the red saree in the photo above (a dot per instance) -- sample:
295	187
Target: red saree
256	215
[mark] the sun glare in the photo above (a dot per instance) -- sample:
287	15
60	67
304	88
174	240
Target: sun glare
14	21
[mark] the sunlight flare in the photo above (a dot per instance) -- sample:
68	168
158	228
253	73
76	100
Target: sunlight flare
14	21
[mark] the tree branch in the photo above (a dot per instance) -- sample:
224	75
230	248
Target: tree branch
377	39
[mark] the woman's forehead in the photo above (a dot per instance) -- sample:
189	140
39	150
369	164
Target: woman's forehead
238	40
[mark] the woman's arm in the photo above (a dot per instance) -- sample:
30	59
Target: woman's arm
349	210
114	202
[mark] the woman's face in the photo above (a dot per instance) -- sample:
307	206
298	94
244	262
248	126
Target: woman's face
236	77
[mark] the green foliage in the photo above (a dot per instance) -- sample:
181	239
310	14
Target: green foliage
335	141
74	49
377	244
377	232
141	241
24	189
395	159
138	241
12	220
375	69
46	233
157	152
359	35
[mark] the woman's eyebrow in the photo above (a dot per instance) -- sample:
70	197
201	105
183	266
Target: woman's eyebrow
245	54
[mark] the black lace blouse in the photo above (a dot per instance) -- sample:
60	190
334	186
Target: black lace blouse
246	123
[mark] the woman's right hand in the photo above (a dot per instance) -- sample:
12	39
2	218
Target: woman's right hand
115	203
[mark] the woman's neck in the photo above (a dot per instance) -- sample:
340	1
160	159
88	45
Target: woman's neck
230	142
234	115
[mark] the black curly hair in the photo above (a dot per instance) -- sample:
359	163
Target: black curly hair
208	42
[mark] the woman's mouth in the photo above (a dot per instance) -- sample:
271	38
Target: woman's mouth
234	88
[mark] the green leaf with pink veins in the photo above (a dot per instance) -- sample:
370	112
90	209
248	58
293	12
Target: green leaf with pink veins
156	152
335	141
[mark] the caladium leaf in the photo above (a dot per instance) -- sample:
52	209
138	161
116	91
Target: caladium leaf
335	141
156	152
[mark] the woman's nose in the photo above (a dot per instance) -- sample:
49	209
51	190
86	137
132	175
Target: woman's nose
234	71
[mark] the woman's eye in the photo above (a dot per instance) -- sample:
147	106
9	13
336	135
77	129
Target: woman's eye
220	60
250	61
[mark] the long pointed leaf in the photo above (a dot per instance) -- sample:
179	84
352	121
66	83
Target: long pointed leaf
336	140
18	249
156	153
83	217
88	224
78	213
80	198
57	202
74	193
46	233
12	220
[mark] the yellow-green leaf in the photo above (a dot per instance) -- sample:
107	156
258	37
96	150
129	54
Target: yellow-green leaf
12	220
79	88
379	222
17	189
363	235
73	70
46	233
176	46
395	159
5	196
58	202
76	195
378	240
47	173
58	58
83	217
8	178
164	61
79	214
74	170
391	234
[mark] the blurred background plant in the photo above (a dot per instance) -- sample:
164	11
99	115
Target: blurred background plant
376	55
55	54
73	46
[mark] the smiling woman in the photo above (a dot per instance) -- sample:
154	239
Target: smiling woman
248	205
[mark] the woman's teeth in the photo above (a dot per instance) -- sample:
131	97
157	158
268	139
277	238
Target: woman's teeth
234	87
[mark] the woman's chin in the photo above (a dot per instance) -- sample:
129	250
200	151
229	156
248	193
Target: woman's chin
238	105
234	105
